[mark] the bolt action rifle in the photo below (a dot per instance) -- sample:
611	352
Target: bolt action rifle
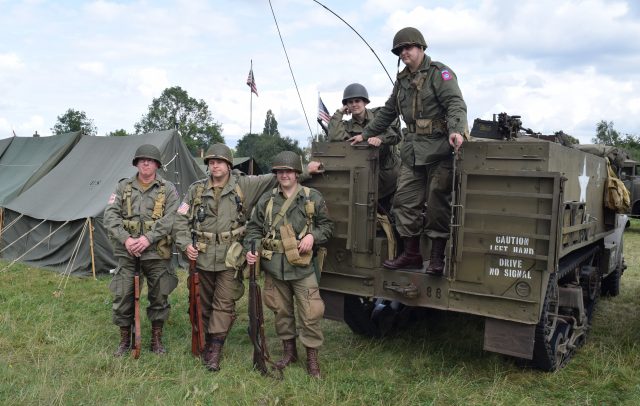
195	311
136	338
256	323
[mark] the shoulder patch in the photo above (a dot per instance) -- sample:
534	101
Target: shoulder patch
112	198
446	75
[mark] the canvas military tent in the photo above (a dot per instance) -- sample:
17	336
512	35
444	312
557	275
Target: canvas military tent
27	159
4	144
51	219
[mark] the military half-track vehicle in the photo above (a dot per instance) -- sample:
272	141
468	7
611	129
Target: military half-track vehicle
531	250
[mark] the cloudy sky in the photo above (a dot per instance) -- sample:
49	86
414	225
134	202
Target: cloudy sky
560	64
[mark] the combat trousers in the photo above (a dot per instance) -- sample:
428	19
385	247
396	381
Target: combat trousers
161	281
279	296
218	294
419	185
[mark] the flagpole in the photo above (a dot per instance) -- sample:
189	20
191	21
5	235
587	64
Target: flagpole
250	101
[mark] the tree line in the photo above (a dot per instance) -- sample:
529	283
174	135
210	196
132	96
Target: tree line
174	108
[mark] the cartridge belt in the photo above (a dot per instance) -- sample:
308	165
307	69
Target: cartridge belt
224	237
272	245
424	126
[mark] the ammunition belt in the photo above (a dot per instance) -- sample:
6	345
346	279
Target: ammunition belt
272	245
224	237
436	126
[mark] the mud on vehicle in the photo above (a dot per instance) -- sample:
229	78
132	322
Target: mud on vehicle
532	245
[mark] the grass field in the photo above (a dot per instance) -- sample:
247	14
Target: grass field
56	346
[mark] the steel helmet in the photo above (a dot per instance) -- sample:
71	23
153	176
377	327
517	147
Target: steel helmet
355	91
287	160
147	151
219	151
408	36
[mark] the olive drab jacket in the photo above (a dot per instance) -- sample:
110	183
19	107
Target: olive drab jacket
432	107
259	229
226	212
155	207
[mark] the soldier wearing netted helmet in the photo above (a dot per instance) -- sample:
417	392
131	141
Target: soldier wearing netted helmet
288	225
138	218
225	199
427	96
355	98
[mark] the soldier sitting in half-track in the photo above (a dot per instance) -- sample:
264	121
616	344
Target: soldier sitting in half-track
533	243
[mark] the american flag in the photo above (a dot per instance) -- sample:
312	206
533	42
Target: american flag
323	113
251	82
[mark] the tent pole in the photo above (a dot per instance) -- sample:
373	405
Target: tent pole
1	222
93	263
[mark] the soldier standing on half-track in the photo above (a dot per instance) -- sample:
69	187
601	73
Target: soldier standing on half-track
138	218
355	98
427	95
226	197
287	224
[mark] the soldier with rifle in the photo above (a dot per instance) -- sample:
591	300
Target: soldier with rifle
427	95
289	223
138	217
226	198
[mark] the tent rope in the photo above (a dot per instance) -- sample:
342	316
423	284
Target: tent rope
10	224
32	248
165	166
23	235
72	260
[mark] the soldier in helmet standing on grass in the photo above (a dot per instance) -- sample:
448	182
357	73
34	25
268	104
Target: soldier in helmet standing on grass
138	218
427	95
355	98
288	224
225	200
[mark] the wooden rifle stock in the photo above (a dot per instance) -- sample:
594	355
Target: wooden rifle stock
137	340
195	311
256	320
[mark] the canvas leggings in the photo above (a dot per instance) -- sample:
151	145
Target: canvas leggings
219	292
430	184
161	281
280	296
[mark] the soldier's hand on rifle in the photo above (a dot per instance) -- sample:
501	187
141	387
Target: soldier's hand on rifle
456	140
191	252
252	257
142	244
375	141
355	139
129	244
306	244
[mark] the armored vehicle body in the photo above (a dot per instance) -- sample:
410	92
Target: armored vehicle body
532	245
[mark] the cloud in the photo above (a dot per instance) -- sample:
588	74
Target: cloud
10	61
96	68
150	82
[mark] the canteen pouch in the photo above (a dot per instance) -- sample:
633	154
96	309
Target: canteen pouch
234	258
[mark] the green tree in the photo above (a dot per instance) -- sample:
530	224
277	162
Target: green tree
606	134
192	117
118	133
263	148
74	120
270	125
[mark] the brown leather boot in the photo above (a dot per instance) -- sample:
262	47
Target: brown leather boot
436	263
290	353
313	367
156	338
213	353
410	257
125	342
